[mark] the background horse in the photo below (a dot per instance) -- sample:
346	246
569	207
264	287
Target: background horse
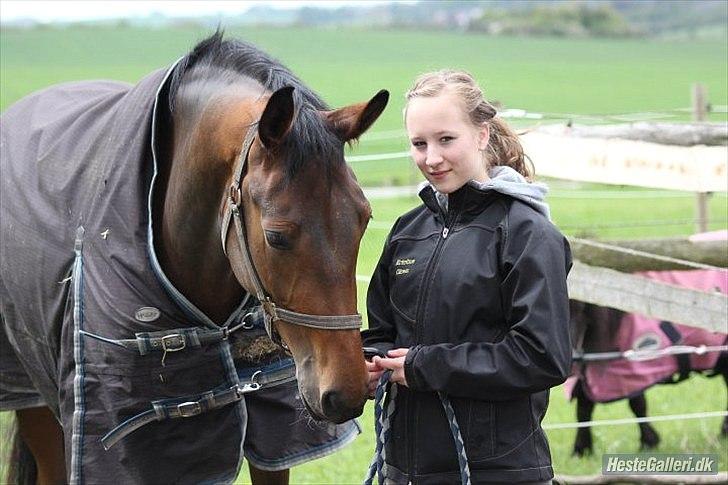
597	329
136	222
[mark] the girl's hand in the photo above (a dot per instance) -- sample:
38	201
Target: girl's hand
395	362
375	372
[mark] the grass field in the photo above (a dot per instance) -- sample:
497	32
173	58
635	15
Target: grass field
586	76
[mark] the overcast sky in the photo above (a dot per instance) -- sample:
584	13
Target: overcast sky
53	11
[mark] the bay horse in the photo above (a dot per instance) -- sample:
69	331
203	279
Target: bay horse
602	330
139	226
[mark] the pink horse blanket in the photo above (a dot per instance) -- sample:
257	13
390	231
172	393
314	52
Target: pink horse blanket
612	380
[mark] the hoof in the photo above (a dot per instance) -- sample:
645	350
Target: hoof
582	451
649	439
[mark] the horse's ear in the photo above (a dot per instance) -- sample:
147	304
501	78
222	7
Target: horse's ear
351	121
277	117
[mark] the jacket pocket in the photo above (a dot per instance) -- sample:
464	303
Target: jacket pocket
406	275
481	436
513	425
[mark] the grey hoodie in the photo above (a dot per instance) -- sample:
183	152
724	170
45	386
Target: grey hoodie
507	181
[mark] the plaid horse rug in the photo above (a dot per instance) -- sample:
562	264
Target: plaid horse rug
92	328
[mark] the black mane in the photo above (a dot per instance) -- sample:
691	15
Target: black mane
309	138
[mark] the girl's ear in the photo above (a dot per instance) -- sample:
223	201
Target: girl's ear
483	136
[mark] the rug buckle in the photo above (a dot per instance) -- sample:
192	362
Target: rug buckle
172	343
189	409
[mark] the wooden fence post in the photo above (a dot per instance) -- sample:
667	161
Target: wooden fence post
700	113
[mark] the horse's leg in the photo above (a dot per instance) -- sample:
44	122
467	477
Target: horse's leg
584	409
44	437
263	477
648	435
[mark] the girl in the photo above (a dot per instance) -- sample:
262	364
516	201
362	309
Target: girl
469	298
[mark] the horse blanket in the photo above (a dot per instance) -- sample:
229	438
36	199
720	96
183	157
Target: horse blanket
92	327
606	381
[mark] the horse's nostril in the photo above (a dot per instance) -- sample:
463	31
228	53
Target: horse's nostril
336	409
331	403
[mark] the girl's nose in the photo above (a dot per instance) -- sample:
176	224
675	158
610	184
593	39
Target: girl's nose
433	157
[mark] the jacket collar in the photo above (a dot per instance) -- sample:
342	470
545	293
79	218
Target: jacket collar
466	199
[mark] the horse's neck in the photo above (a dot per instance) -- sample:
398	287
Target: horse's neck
187	238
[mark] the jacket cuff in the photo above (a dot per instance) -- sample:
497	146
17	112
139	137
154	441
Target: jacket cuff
409	371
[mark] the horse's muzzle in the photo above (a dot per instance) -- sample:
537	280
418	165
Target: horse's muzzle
336	410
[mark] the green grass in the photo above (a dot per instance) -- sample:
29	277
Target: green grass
552	75
582	76
586	76
694	436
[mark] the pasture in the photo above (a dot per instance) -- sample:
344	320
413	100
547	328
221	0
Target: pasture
579	76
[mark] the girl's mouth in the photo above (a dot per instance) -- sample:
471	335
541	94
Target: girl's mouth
440	174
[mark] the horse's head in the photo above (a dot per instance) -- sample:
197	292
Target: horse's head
304	216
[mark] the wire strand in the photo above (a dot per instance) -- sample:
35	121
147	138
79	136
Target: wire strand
646	419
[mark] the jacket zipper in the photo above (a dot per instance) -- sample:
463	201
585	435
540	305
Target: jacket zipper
450	221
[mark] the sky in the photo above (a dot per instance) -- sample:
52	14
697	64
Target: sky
63	11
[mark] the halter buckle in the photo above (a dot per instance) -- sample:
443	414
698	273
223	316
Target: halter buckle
270	308
235	195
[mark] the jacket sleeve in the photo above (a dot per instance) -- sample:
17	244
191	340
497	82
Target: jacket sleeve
535	353
381	332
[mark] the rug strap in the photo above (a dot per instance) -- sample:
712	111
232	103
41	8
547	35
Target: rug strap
188	407
170	340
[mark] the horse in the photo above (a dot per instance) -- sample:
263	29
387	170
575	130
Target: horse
602	330
141	227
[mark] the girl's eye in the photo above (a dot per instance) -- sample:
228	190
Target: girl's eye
277	240
446	139
418	144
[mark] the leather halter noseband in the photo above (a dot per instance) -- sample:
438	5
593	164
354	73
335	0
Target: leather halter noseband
233	210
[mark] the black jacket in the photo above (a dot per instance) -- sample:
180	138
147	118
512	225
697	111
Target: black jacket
479	296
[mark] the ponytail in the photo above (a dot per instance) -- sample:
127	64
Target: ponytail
504	149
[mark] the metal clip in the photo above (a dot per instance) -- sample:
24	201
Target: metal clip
254	377
172	343
189	409
251	386
244	322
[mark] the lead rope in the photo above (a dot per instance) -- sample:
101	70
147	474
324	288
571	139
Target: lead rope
382	422
458	438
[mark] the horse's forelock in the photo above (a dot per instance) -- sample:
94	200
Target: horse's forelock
311	140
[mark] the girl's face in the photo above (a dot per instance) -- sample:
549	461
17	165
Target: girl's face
444	143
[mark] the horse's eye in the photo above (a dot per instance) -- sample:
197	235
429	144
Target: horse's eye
277	240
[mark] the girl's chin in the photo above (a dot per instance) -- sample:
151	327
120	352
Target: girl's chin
445	187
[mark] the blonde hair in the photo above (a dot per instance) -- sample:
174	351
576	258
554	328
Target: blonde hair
504	148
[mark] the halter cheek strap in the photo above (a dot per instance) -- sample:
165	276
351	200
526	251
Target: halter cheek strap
233	211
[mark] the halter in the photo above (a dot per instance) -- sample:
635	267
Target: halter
233	210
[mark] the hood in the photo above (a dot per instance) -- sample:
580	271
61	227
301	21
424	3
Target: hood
509	182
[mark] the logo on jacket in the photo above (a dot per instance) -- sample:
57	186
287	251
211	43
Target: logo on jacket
403	262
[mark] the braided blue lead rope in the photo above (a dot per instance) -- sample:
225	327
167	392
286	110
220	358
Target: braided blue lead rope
381	426
382	421
458	438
